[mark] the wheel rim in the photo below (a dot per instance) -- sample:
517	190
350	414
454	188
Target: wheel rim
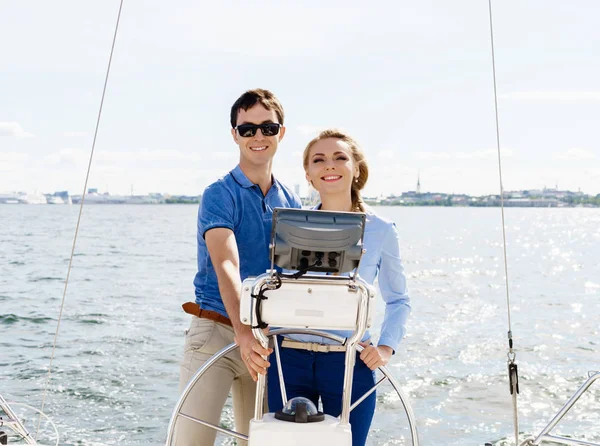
232	347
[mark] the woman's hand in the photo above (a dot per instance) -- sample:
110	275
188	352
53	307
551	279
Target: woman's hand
375	357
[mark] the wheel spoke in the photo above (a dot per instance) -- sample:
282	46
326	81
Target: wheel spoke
368	392
232	347
215	427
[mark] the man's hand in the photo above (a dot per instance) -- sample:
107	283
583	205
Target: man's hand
224	255
252	353
375	357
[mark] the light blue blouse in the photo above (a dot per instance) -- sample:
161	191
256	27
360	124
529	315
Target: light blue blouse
382	260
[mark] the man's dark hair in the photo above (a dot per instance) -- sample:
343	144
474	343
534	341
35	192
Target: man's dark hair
257	96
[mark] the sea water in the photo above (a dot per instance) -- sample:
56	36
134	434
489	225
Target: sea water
115	370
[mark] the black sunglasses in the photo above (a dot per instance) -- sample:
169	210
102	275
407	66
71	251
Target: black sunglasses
249	130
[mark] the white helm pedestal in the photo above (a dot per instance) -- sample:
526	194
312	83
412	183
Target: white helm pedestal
309	241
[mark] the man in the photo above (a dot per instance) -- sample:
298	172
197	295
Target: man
234	227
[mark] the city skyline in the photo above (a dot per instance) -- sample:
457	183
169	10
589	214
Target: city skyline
525	198
413	86
296	188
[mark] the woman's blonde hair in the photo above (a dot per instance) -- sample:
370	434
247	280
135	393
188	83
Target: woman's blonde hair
358	157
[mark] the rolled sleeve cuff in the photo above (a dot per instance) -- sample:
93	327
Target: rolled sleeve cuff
210	226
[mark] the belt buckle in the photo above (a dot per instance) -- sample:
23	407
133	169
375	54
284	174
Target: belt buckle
314	347
319	348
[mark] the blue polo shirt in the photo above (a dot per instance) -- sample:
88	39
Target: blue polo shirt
234	202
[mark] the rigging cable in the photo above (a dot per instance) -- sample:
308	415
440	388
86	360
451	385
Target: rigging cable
512	366
62	305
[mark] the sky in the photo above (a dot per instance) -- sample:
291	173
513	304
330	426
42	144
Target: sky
411	81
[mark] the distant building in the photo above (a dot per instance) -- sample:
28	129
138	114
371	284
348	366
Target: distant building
61	197
93	197
10	198
23	198
312	199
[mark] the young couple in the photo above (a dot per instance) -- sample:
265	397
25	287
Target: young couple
234	228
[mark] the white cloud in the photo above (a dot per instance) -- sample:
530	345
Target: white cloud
119	180
13	129
488	154
163	155
68	156
553	95
574	154
131	158
218	155
309	130
139	155
8	168
12	157
485	154
432	156
74	134
386	154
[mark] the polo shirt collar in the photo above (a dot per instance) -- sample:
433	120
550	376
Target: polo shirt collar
244	181
241	177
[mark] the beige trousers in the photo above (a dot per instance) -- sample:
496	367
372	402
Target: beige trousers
207	398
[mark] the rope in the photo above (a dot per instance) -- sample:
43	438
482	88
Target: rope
511	354
62	305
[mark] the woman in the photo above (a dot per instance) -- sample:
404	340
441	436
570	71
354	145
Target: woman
336	167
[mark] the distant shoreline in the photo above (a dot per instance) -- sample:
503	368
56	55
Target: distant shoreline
546	198
494	205
372	204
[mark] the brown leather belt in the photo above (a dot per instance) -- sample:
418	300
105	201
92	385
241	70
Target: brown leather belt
195	310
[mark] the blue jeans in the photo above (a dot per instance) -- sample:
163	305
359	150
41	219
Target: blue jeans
313	375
